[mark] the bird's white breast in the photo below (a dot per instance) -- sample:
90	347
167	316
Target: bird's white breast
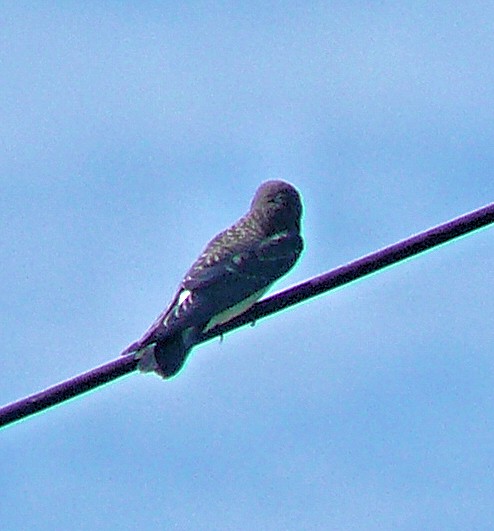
233	311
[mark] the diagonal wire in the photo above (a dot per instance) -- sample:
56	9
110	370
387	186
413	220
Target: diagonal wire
310	288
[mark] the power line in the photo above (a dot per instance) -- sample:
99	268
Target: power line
359	268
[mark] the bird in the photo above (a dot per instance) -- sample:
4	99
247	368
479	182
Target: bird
234	270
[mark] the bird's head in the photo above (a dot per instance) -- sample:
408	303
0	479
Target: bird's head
278	205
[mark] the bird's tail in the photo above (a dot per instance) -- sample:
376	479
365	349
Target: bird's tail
165	357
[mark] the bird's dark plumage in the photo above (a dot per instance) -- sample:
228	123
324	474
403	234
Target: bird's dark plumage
234	270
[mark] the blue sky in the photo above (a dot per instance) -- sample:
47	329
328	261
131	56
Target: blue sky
131	133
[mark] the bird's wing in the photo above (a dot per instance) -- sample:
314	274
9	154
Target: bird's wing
215	283
264	260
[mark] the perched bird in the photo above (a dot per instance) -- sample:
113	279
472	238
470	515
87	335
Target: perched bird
235	269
